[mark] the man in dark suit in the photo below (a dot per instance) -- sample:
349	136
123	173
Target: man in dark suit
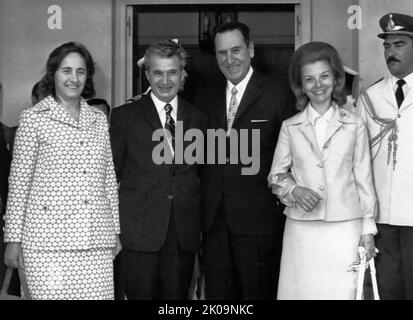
242	220
160	203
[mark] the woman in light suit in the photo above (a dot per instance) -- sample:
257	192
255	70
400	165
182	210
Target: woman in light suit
321	172
62	221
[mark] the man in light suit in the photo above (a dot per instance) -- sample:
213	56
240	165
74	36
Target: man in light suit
160	204
387	109
242	220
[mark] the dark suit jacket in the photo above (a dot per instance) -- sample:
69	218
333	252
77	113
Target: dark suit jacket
250	206
148	192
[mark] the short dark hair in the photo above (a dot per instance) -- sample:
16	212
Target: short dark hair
98	101
230	26
47	87
165	49
309	53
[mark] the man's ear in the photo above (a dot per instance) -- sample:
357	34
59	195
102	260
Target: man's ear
251	49
147	74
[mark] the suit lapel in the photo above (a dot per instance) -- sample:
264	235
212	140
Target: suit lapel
183	117
334	125
86	117
252	92
388	93
408	100
150	113
221	105
307	130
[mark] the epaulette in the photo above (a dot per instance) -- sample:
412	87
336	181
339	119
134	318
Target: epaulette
96	110
135	98
376	82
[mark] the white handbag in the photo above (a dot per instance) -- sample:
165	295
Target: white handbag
361	271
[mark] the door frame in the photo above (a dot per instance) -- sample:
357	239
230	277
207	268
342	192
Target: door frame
303	32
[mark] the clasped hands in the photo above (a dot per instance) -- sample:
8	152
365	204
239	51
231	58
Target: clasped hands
306	198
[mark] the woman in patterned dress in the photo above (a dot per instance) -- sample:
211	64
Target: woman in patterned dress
62	221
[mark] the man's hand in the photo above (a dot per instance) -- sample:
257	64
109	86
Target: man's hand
306	198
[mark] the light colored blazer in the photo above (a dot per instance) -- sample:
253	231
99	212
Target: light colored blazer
62	191
340	173
394	187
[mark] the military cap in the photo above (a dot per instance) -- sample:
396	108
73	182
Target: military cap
396	23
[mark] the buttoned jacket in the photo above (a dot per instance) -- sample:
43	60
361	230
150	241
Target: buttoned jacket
394	185
153	193
340	172
62	191
251	208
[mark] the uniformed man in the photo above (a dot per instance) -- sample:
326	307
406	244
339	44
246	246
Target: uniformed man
387	109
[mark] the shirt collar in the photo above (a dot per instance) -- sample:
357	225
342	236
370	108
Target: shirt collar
242	85
314	115
408	79
160	105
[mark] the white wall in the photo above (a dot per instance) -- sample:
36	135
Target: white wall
372	63
329	24
27	42
1	54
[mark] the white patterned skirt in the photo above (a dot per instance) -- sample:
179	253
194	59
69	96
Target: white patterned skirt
69	275
315	258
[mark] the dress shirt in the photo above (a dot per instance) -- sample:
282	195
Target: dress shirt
241	86
406	87
160	107
320	123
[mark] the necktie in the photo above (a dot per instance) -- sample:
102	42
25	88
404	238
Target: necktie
233	106
399	92
170	125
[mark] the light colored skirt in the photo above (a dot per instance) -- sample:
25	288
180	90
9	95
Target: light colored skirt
69	275
315	258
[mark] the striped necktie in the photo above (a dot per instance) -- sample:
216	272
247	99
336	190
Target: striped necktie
170	125
233	106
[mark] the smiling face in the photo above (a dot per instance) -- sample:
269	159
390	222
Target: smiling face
70	77
165	76
398	52
317	82
233	55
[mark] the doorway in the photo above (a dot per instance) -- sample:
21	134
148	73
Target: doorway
272	28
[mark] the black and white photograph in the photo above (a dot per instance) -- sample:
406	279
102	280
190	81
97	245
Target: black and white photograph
204	156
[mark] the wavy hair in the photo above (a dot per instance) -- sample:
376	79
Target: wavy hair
47	83
165	49
309	53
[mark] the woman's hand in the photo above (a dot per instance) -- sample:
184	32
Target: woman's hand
367	242
306	198
13	256
118	247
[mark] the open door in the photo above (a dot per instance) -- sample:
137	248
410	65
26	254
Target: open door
125	84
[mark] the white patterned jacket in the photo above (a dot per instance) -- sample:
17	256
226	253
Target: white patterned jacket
62	185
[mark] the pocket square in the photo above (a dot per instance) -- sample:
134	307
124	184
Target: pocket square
259	120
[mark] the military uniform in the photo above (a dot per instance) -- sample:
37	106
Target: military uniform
389	119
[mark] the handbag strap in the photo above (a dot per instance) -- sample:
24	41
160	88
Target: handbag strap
6	281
